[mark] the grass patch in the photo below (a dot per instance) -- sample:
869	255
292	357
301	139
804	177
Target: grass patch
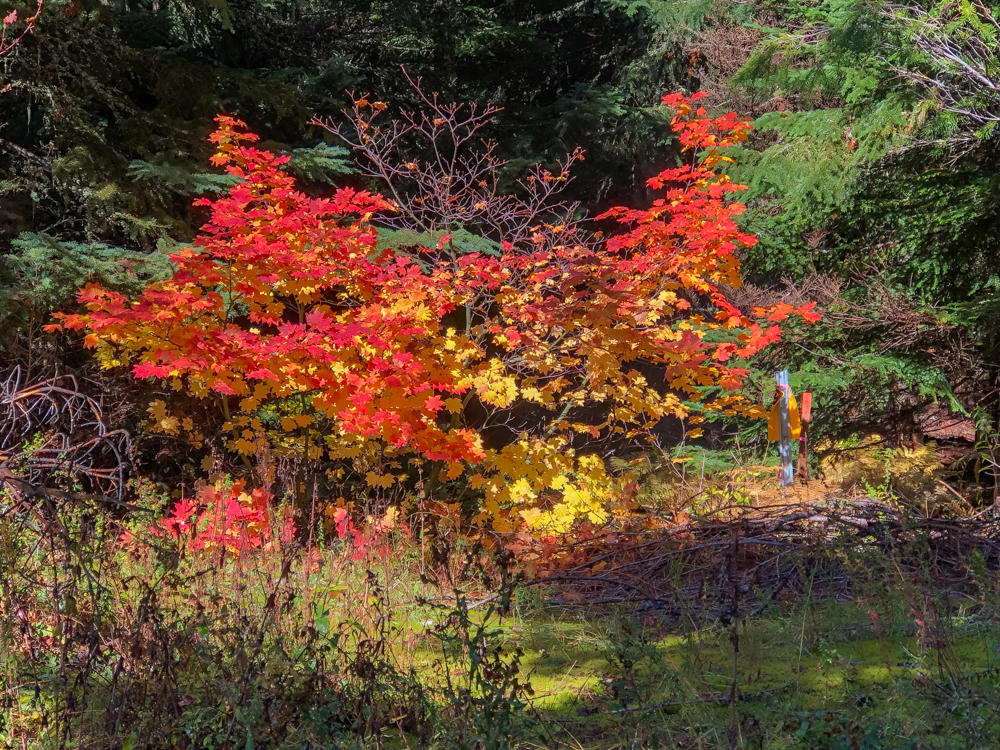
824	674
850	644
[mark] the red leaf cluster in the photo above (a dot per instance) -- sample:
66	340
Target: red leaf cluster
227	518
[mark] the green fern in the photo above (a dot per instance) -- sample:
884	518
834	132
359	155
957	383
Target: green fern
43	274
321	163
180	179
462	240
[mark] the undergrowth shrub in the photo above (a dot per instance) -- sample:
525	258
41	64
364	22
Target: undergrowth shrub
222	516
483	688
160	643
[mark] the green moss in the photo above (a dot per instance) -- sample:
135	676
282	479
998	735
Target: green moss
809	678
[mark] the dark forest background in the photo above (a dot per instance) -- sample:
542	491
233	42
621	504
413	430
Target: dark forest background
874	172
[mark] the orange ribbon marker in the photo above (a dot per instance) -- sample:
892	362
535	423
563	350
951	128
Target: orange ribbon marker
773	424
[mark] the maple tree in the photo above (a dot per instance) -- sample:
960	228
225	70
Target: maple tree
585	324
509	370
286	295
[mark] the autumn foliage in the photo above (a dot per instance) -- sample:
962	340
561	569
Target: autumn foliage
408	368
227	519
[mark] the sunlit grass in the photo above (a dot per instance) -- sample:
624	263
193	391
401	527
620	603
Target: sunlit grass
811	671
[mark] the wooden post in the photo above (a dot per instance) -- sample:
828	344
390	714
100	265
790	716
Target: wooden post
805	414
785	430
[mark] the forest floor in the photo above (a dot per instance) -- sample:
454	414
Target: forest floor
743	618
814	675
818	620
823	678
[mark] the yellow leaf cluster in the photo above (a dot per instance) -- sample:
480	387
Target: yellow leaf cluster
544	480
160	421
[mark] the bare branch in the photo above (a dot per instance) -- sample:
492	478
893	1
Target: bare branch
444	175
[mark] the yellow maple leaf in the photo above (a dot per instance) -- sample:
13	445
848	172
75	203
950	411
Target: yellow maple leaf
157	410
245	447
380	480
532	394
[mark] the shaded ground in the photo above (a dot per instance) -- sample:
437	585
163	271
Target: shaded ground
856	627
807	679
832	623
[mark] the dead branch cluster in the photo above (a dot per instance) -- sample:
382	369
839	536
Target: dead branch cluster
718	52
53	433
723	567
820	288
964	66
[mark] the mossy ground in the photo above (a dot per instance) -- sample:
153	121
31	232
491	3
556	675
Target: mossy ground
827	675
